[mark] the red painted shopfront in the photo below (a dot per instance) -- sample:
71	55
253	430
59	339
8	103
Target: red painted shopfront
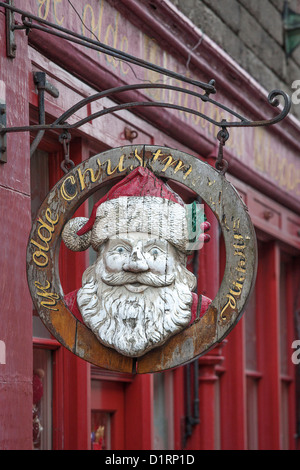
243	394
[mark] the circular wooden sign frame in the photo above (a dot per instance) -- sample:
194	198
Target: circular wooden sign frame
74	188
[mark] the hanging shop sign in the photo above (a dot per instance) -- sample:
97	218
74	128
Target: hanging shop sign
136	310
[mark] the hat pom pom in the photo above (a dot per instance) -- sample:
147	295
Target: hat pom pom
69	235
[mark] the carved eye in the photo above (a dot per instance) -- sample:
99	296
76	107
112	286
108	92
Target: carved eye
121	250
155	252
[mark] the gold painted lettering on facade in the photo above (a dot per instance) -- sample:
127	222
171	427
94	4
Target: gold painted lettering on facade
45	6
101	20
275	164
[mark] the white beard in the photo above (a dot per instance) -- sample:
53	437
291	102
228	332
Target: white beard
135	323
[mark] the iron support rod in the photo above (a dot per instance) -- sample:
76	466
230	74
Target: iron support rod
114	91
40	80
208	87
60	123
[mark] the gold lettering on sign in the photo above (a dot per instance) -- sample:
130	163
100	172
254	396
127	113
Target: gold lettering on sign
45	232
51	298
237	284
93	177
74	184
70	180
71	185
176	164
119	167
139	158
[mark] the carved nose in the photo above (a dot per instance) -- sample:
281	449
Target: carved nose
136	263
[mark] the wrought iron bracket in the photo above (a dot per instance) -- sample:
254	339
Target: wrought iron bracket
30	21
11	46
204	90
61	122
42	86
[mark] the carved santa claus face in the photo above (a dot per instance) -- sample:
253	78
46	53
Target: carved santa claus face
140	256
137	294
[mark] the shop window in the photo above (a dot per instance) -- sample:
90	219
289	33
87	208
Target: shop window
42	399
217	414
100	430
44	346
107	411
252	413
38	328
163	411
269	331
251	336
252	373
285	340
39	180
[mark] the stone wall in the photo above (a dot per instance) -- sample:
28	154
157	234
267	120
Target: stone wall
251	32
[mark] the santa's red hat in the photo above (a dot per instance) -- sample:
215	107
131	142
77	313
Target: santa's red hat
140	202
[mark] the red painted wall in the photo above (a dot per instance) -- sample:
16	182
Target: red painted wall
15	301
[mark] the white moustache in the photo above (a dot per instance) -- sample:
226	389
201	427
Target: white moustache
148	279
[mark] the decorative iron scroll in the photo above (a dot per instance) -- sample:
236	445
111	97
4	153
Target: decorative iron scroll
30	22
